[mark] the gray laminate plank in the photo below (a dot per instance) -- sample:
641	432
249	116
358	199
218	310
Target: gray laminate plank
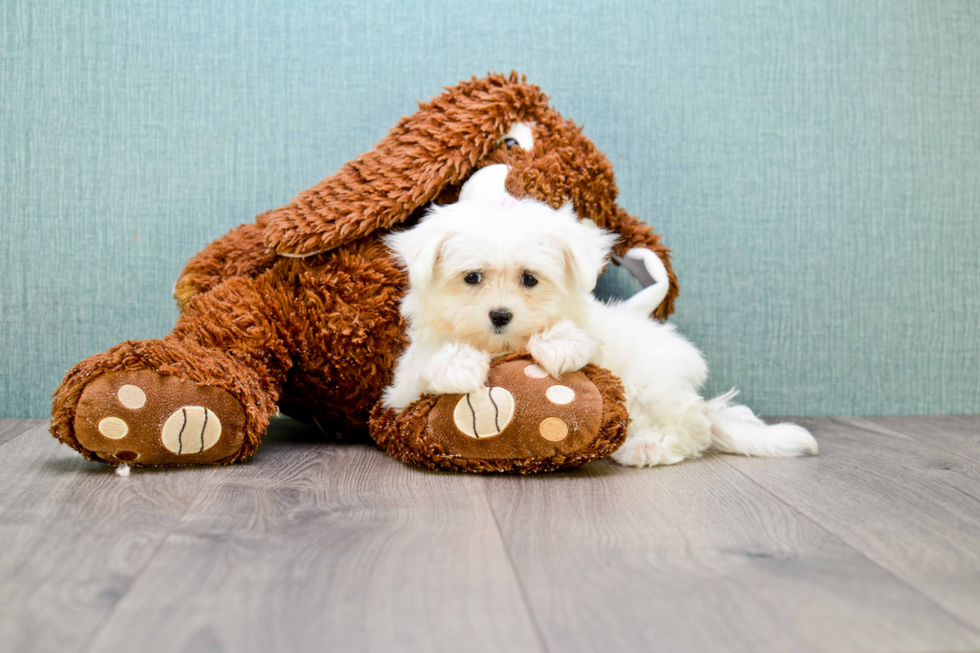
913	509
328	547
73	536
11	428
958	433
696	557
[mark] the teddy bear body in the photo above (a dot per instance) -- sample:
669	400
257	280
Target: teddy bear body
337	333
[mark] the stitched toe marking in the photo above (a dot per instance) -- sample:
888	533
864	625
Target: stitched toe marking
484	413
191	429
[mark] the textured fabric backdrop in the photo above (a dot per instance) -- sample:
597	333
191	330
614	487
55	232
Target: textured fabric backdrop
815	165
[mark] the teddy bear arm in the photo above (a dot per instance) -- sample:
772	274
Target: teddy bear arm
239	253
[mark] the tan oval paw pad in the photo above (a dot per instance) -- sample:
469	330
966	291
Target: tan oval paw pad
560	394
131	396
114	428
535	371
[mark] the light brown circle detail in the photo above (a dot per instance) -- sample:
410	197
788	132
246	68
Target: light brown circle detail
131	396
535	371
191	429
560	394
553	429
113	428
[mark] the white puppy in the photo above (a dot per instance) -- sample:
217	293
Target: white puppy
486	281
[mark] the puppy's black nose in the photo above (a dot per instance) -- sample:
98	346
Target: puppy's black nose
500	317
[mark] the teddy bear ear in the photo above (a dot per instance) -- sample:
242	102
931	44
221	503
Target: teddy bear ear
438	145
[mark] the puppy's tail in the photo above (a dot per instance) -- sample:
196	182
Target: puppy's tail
736	429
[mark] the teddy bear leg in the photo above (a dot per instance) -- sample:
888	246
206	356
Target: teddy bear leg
204	394
524	422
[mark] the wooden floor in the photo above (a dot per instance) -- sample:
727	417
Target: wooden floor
324	546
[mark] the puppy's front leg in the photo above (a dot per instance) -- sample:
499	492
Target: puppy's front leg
456	369
562	348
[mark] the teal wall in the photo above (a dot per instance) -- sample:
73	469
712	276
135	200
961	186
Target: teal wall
815	165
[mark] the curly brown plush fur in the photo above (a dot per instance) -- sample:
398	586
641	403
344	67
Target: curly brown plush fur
300	308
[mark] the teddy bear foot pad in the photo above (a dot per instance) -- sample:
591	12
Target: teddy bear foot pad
524	421
146	418
537	417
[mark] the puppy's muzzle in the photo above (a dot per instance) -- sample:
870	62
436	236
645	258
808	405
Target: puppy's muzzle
500	317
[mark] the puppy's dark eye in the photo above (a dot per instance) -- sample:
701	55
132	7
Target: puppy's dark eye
528	280
511	142
473	278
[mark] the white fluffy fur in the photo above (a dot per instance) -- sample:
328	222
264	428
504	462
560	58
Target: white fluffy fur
562	326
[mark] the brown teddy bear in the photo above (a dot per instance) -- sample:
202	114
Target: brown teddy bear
300	311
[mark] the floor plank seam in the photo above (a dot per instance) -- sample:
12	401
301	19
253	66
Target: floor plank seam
539	635
25	431
89	646
972	628
865	425
890	432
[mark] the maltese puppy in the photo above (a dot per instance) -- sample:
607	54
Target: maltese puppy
488	280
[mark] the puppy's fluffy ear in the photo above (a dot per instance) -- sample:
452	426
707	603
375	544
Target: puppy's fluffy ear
585	248
418	249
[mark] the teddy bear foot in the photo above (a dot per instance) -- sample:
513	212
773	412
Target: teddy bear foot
524	422
145	418
161	402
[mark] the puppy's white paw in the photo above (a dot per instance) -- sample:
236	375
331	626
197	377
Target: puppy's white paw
642	449
456	369
400	394
562	348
